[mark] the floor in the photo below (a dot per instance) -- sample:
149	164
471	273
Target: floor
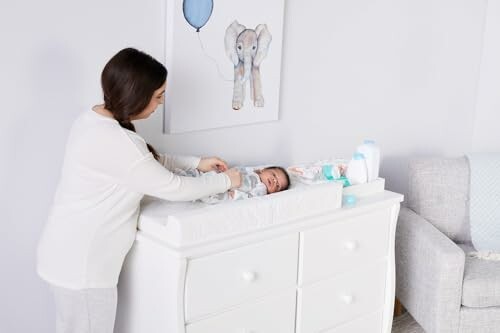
405	324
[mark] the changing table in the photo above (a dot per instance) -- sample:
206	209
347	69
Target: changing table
294	261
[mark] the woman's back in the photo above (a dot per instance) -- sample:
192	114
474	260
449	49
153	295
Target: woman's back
92	205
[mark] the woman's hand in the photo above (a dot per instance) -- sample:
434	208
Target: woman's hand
212	164
235	177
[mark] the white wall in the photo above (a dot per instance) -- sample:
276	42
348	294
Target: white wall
486	123
52	53
403	72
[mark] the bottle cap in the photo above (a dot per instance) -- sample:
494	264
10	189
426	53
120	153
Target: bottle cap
327	172
358	156
349	200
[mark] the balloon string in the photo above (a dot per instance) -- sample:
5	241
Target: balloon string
213	60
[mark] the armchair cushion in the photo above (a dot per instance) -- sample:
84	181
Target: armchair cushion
438	191
481	287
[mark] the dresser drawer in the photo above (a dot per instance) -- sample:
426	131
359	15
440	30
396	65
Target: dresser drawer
229	278
270	315
371	323
327	304
344	245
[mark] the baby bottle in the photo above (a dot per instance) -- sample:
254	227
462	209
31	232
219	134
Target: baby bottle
357	169
371	153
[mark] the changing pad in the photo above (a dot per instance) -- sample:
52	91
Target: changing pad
186	223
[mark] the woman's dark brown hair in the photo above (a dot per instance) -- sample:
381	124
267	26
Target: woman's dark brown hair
128	81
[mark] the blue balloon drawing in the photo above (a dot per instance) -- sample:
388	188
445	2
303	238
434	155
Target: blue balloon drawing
197	12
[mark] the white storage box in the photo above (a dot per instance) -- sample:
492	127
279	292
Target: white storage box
364	190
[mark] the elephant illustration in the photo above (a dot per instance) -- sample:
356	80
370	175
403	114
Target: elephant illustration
247	48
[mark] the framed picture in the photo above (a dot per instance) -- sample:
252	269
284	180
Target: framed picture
224	63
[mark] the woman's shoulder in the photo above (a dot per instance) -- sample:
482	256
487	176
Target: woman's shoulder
137	140
99	130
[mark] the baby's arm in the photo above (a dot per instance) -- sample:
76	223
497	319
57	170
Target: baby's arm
258	191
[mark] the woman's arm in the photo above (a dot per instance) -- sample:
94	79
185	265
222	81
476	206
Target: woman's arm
150	177
172	162
190	162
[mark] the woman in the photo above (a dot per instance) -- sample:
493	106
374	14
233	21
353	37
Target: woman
106	171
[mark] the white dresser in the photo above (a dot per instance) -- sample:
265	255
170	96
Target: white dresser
332	272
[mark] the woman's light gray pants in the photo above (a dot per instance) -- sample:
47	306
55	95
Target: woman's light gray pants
85	311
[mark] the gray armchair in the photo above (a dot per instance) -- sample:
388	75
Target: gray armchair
443	288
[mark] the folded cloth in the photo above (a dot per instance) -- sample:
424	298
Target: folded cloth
319	172
485	204
486	255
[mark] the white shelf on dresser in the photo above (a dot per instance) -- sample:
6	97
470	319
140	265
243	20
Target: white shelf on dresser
332	273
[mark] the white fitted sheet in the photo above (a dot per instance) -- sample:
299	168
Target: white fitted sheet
187	223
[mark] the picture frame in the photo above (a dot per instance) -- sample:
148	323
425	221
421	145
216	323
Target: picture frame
224	63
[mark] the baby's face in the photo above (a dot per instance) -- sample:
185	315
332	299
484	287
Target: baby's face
274	179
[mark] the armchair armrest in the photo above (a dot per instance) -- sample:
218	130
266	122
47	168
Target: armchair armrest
429	273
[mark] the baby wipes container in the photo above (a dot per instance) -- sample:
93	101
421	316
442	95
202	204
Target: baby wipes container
357	171
371	152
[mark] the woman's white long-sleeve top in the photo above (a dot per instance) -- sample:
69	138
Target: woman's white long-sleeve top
92	223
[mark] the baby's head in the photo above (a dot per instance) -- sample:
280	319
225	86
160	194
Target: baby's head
275	178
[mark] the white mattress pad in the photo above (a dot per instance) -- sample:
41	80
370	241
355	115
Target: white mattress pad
182	224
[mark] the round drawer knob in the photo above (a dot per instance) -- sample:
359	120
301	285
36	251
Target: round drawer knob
249	276
348	299
351	245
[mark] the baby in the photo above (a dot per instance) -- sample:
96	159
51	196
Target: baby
254	182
